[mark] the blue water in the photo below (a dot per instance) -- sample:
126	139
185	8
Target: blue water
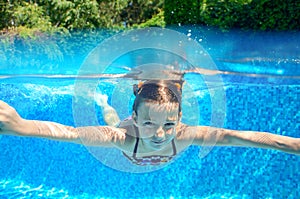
267	101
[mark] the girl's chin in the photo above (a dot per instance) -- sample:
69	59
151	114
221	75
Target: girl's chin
157	144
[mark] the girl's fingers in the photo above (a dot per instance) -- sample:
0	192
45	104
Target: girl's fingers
3	105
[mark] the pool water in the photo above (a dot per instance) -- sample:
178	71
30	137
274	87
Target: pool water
262	94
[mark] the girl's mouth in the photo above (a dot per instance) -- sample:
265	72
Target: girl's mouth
158	141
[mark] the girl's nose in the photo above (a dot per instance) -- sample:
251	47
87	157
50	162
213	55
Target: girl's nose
160	132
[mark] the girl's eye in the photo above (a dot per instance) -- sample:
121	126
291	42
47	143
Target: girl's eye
169	125
148	123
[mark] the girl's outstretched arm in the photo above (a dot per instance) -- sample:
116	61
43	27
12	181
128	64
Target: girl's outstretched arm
12	124
203	135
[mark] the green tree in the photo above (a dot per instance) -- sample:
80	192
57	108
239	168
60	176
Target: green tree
182	11
31	15
140	11
76	14
243	14
49	15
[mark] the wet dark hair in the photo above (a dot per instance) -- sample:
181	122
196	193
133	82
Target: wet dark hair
160	91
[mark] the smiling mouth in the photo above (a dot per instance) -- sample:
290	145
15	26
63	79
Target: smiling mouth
158	142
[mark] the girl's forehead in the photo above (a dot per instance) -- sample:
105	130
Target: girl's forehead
169	107
152	110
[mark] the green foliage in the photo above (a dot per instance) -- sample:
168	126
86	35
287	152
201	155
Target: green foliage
156	20
76	14
25	20
276	14
5	14
182	11
110	13
225	15
49	15
140	11
31	16
244	14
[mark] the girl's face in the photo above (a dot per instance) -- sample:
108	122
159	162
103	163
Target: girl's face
157	123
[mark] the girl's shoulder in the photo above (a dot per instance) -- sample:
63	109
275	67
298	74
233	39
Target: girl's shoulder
126	122
184	132
184	137
181	128
128	126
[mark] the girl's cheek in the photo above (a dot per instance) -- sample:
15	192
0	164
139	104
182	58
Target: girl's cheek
170	131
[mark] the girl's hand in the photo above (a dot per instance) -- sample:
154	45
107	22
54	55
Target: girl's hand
10	120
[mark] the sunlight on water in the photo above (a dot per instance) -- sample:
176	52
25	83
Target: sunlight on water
19	189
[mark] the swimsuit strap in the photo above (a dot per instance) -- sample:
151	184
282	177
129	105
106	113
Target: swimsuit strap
174	147
135	146
137	142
